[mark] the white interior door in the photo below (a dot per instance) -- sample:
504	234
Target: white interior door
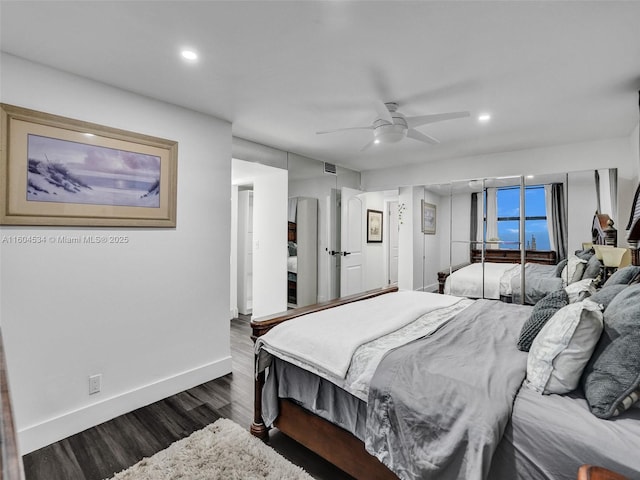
393	242
351	243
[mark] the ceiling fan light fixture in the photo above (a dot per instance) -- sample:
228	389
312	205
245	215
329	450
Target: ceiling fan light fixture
389	133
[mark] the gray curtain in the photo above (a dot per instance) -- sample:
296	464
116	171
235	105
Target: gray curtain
473	227
559	219
597	179
613	188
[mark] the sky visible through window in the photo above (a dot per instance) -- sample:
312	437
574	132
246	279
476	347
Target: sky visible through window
508	200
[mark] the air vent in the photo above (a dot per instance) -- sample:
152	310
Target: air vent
330	168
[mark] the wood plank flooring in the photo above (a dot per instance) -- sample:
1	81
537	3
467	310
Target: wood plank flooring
101	451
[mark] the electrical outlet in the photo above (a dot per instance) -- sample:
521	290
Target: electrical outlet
95	382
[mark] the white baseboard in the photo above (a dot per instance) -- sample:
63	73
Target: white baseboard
234	313
54	429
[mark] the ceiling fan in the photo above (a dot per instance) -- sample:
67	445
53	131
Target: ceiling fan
392	126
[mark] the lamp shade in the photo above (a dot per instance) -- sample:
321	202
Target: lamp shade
616	257
599	249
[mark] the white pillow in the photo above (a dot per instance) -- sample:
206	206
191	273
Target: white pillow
563	347
580	290
573	270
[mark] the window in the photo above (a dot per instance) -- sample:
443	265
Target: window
535	224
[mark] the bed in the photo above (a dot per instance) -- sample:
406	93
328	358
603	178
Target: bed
501	281
419	385
498	277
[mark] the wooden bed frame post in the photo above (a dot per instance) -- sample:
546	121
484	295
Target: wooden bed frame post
258	428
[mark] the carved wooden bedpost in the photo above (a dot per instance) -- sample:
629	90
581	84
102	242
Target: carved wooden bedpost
258	428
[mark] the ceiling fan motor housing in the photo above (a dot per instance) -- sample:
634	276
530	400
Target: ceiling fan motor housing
385	132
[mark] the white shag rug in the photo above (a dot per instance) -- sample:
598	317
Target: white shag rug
222	450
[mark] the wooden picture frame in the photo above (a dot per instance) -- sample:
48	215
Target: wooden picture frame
374	226
59	171
428	218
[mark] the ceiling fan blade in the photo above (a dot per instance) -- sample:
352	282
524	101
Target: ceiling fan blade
367	145
421	137
413	122
370	127
383	112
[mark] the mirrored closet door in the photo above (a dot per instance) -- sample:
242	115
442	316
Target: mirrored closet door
507	235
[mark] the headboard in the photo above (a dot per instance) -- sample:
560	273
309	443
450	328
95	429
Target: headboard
603	231
497	255
634	228
291	232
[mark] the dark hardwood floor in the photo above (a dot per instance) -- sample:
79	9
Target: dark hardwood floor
101	451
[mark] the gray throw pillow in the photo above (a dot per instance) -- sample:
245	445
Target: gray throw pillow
585	254
622	276
611	379
593	268
577	275
606	294
560	266
541	313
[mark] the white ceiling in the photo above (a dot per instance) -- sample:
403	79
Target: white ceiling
548	72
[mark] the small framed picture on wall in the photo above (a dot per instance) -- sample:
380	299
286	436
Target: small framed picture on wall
428	218
374	226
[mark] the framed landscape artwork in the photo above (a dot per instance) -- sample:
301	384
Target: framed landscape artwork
60	171
428	218
374	226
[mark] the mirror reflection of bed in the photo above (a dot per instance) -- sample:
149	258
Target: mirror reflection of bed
481	255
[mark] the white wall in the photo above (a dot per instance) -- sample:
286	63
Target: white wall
411	240
270	242
634	142
269	250
375	254
405	238
608	153
151	315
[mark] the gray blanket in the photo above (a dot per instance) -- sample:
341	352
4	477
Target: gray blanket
438	406
539	281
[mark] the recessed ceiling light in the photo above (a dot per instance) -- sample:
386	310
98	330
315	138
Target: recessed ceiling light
485	117
189	55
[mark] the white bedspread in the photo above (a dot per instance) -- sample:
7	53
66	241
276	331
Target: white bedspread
467	281
350	326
